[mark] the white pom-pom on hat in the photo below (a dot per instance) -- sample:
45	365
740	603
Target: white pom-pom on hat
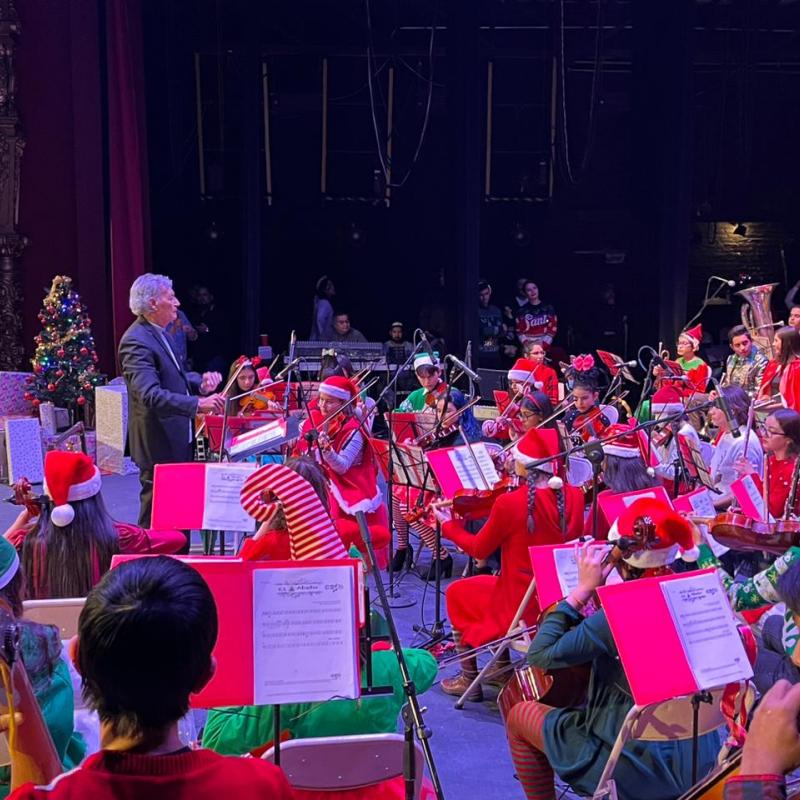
61	516
555	483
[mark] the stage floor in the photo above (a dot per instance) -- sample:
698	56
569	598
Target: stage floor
469	746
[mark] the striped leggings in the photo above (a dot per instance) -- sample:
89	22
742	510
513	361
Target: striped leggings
525	731
425	532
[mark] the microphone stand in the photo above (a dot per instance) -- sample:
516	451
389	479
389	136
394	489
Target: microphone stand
413	722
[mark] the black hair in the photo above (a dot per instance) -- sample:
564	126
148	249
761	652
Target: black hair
483	285
538	403
738	330
321	285
333	363
738	401
622	474
789	421
788	587
790	344
67	561
145	638
12	593
531	479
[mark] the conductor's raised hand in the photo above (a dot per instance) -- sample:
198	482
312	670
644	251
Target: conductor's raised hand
212	404
209	382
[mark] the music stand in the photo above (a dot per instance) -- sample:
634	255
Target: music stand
696	468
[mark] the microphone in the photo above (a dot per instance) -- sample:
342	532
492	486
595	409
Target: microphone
724	280
722	405
468	371
426	345
632	363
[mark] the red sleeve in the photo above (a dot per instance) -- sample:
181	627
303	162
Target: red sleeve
790	386
766	379
552	326
488	539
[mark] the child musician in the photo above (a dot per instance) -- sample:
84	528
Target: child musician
696	373
782	374
520	383
333	435
585	418
406	504
543	373
248	376
543	511
432	386
575	743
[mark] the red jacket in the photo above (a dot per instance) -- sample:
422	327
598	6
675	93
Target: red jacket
507	528
193	775
789	386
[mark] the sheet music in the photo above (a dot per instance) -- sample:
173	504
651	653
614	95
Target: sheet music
477	472
304	635
223	509
567	568
707	629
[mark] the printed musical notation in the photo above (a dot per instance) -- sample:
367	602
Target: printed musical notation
707	630
223	509
476	472
304	635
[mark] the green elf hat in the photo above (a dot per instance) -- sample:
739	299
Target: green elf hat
9	562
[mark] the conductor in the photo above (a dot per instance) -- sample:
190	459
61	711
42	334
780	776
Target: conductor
162	396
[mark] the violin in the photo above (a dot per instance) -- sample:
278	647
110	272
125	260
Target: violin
472	504
24	496
737	531
590	424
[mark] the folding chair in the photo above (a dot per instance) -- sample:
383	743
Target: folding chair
62	612
346	762
516	638
671	720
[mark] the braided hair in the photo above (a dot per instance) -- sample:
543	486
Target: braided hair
533	477
583	373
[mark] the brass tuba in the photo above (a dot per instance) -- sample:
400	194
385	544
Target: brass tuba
757	315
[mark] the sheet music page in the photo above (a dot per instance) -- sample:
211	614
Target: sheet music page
477	472
223	509
707	630
567	568
304	635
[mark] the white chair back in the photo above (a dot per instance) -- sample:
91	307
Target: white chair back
62	612
345	762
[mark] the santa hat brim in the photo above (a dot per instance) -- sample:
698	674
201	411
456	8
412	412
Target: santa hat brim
81	491
335	392
527	461
620	451
521	375
666	409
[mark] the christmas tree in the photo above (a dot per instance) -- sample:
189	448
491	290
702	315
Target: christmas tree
65	362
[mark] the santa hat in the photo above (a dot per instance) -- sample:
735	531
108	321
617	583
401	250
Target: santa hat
9	562
426	360
666	401
522	370
338	387
69	477
536	444
620	440
672	534
312	534
694	335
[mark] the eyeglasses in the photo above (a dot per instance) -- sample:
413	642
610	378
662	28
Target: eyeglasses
774	433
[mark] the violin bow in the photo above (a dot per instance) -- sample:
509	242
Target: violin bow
202	426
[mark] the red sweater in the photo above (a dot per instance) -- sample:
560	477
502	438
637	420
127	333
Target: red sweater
194	775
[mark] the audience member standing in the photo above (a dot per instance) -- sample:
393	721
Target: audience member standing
322	317
490	323
535	321
209	348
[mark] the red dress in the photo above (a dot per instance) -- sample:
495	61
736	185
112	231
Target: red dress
482	608
789	386
780	484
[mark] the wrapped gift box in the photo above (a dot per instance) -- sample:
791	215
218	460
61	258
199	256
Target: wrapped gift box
24	450
13	386
111	427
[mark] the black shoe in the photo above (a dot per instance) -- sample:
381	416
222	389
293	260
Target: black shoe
401	559
445	568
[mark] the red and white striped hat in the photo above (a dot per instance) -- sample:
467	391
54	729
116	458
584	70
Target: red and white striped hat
312	534
338	387
694	335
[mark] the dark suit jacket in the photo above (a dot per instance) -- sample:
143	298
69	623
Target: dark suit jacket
160	412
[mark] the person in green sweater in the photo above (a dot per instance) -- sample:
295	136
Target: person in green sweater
778	655
40	647
429	374
242	729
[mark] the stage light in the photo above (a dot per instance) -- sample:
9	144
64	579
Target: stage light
521	235
213	232
740	229
355	234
